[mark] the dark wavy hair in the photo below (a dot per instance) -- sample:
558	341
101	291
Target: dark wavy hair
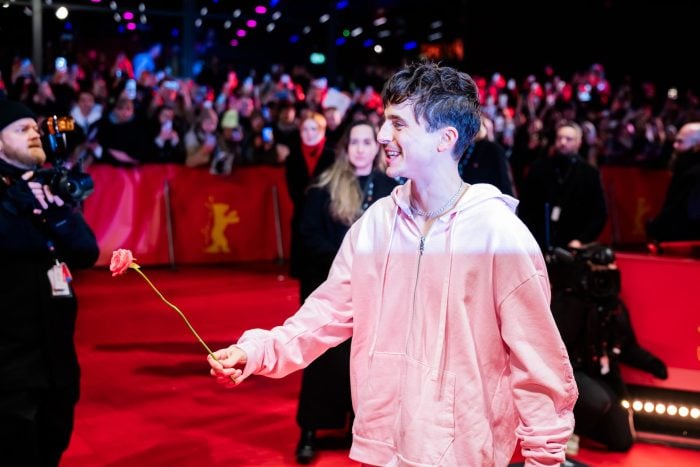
441	96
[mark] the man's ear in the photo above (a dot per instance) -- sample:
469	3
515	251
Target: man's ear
448	139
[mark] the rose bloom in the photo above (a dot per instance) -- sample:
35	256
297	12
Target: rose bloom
121	260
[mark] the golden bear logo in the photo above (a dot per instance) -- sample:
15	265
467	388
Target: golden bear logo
221	216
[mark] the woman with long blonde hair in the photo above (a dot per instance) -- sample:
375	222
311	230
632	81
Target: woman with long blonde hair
336	199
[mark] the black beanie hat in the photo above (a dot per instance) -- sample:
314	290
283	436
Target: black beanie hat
11	111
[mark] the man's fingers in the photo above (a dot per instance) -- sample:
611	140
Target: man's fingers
48	194
39	194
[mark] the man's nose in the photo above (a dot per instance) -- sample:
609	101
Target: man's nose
383	134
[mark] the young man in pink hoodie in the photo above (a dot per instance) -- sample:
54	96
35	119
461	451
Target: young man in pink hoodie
455	354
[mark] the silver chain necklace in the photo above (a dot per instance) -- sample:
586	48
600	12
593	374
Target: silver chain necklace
437	212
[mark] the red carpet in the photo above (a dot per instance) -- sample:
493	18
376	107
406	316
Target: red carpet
148	400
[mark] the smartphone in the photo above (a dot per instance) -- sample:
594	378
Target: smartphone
130	89
61	64
267	135
167	125
171	85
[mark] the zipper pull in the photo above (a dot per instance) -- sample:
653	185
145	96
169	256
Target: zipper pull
422	245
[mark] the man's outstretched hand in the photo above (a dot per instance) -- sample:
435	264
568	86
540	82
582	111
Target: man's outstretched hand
228	366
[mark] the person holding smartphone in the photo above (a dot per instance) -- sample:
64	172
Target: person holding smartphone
201	141
167	143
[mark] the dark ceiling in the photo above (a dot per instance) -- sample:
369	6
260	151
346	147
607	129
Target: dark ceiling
512	37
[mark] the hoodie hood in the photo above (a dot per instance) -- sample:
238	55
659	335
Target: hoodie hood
475	195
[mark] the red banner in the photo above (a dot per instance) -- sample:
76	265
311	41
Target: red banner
634	195
214	218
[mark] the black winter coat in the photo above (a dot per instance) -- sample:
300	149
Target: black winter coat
36	329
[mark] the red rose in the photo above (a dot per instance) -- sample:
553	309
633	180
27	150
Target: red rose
121	261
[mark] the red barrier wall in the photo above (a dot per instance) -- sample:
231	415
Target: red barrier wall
664	307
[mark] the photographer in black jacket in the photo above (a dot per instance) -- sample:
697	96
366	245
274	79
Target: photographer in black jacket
596	329
42	237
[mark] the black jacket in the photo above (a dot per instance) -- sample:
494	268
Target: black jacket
322	235
572	185
679	218
36	329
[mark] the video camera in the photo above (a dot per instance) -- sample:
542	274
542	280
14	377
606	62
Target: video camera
590	271
70	184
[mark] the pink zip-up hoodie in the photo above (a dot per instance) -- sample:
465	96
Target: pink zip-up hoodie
454	351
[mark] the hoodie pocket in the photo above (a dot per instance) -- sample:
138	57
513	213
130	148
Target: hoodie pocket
377	412
427	423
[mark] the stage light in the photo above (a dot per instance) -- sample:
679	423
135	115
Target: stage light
270	27
131	26
317	58
340	41
241	33
434	36
379	21
648	407
251	23
384	33
660	408
695	412
143	19
234	42
672	410
341	5
378	49
261	10
324	18
142	7
198	23
62	13
356	32
273	3
6	5
117	17
294	38
436	24
276	15
112	5
683	411
625	403
410	45
227	24
128	15
637	406
346	33
204	11
306	30
236	12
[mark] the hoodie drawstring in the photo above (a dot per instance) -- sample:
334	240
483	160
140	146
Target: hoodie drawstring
438	364
382	286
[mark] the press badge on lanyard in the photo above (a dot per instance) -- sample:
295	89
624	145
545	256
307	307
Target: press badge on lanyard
60	277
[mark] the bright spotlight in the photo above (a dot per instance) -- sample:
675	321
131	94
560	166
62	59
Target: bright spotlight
61	12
